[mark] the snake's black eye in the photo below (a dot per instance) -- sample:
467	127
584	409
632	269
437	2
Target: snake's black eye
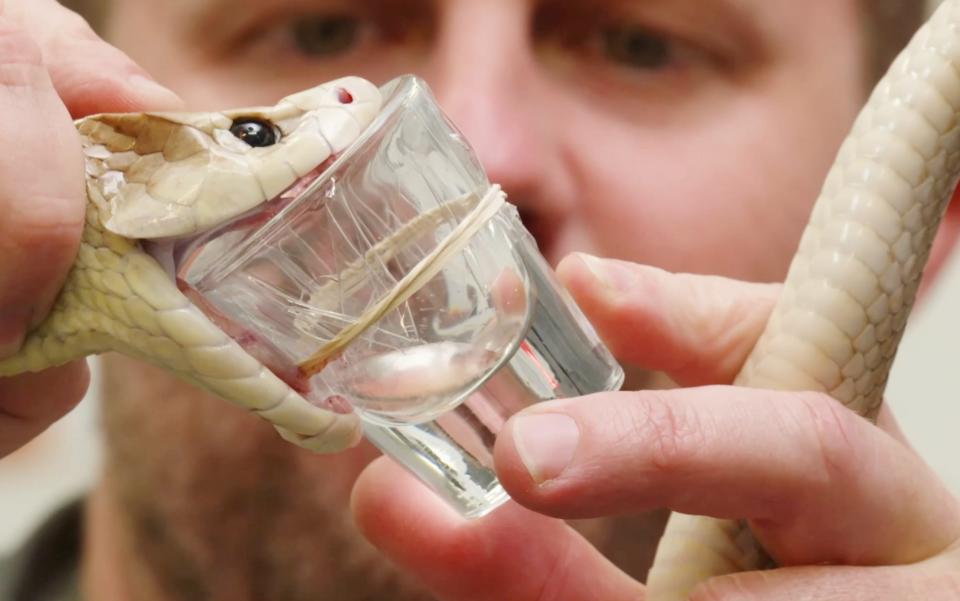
254	132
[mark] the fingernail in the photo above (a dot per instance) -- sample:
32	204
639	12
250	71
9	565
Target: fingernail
599	269
546	443
155	95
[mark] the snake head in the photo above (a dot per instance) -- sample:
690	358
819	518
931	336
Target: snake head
164	175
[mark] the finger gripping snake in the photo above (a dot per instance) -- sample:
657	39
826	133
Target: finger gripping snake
156	179
853	280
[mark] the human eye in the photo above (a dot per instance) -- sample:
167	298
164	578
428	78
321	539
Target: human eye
635	47
307	35
337	30
303	40
254	51
613	44
654	50
324	35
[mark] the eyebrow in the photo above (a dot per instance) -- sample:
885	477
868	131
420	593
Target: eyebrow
204	19
213	20
741	25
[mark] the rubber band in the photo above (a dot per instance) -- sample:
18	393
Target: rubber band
429	266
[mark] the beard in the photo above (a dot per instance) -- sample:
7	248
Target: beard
217	506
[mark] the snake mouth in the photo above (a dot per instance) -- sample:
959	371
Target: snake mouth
185	259
271	207
299	185
185	249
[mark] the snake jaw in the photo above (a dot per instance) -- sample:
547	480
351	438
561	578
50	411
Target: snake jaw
164	175
123	294
178	256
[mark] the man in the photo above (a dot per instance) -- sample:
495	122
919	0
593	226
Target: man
653	131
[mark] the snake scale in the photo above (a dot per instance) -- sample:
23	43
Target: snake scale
154	178
855	275
159	176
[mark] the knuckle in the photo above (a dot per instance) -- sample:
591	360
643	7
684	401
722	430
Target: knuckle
672	433
48	19
74	53
92	76
38	243
724	320
556	578
51	222
19	53
89	61
836	430
733	587
71	40
75	25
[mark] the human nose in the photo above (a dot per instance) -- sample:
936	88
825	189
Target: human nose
487	80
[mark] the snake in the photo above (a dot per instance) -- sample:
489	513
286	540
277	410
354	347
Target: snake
153	178
156	179
854	278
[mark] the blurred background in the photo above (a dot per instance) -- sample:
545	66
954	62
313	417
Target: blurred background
923	392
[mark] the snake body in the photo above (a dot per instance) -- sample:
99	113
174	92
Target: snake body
851	285
155	178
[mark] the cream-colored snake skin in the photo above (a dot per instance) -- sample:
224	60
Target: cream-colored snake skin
835	329
852	283
156	177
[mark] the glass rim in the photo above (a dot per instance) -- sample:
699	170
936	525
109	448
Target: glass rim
398	92
399	89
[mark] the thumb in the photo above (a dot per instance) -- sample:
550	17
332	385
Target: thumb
89	75
511	554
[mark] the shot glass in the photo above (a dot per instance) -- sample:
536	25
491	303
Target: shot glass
402	286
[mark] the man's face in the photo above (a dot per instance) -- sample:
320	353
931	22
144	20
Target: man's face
688	134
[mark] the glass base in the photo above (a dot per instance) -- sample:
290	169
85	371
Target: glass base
560	357
461	479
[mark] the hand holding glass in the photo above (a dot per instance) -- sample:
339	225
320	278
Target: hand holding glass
400	283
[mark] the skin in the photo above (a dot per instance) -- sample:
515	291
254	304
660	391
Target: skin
199	500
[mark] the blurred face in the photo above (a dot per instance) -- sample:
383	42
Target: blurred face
688	134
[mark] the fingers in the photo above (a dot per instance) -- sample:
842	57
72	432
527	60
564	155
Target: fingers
89	75
509	554
48	57
41	189
41	217
697	329
31	402
927	581
51	66
817	482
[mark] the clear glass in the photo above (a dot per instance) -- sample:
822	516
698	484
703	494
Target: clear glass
312	288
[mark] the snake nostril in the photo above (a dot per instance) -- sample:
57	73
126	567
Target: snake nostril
344	96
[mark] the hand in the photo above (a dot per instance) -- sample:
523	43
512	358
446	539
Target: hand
52	67
824	490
